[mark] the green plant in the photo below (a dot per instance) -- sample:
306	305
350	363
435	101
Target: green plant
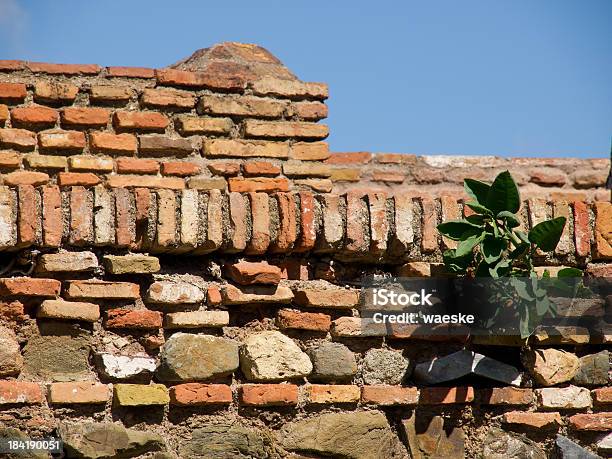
491	245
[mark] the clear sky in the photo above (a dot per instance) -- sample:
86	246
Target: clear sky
512	77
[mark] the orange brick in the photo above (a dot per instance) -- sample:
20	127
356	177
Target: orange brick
309	151
4	114
133	318
603	395
311	321
308	234
333	393
167	98
182	169
130	72
20	392
124	229
429	235
598	422
268	185
12	92
603	230
213	296
114	144
389	395
96	289
52	216
360	157
85	117
26	178
142	121
224	169
13	311
245	148
260	168
81	216
130	181
287	225
78	393
90	163
311	111
533	420
109	94
285	129
137	166
582	229
445	395
61	140
77	178
210	79
10	160
35	115
54	92
11	65
29	286
63	69
18	139
197	394
260	218
28	221
506	396
268	394
387	176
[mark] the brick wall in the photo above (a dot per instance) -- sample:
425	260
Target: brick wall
180	265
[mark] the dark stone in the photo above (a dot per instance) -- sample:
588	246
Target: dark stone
594	369
568	449
226	441
432	438
499	444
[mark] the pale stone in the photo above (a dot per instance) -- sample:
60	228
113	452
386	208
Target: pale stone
189	217
551	366
174	292
104	231
125	367
571	397
67	262
69	310
197	319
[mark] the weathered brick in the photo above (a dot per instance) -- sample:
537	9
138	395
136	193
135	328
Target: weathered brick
133	319
446	395
211	80
85	117
213	295
332	234
311	321
29	286
131	395
450	211
189	125
109	94
137	166
214	222
63	69
357	222
197	394
287	226
603	230
598	422
429	221
131	264
263	184
69	310
332	393
67	262
268	394
131	181
20	393
308	224
180	168
125	224
548	176
130	72
562	209
310	111
197	319
36	161
306	169
29	222
113	144
582	233
96	289
81	216
174	292
404	232
36	116
9	160
91	163
603	395
104	221
285	129
143	203
260	218
77	178
9	65
19	139
78	393
357	157
309	151
52	216
54	92
241	106
529	419
245	148
190	219
12	92
26	178
167	98
140	121
238	222
379	226
57	140
506	396
329	297
256	294
159	145
346	174
4	114
389	395
248	273
270	86
13	311
388	176
255	168
207	183
166	218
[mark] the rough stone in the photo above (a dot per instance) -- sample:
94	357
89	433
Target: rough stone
551	366
433	437
248	273
186	357
594	369
571	397
272	356
224	440
125	367
16	434
131	264
332	362
107	440
11	361
568	449
605	444
505	445
354	435
197	319
174	292
384	366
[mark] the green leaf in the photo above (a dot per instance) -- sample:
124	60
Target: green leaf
522	236
519	251
456	229
480	209
546	235
501	269
509	218
454	264
492	249
569	272
504	194
468	244
477	190
476	219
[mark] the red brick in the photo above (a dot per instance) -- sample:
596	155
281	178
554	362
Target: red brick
506	396
57	139
125	231
167	98
13	311
248	273
133	318
213	296
29	286
260	168
548	177
389	395
238	222
4	114
197	394
311	111
37	116
137	166
308	231
333	393
224	169
13	92
54	92
294	269
130	181
361	157
26	178
260	211
533	420
180	168
599	422
212	80
28	221
10	160
141	121
446	395
311	321
11	65
285	129
52	216
268	185
287	226
64	69
603	395
189	125
78	393
331	297
81	216
130	72
19	139
582	230
268	394
20	392
77	178
86	117
96	289
114	144
429	221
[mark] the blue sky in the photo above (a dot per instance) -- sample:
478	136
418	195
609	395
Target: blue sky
516	77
